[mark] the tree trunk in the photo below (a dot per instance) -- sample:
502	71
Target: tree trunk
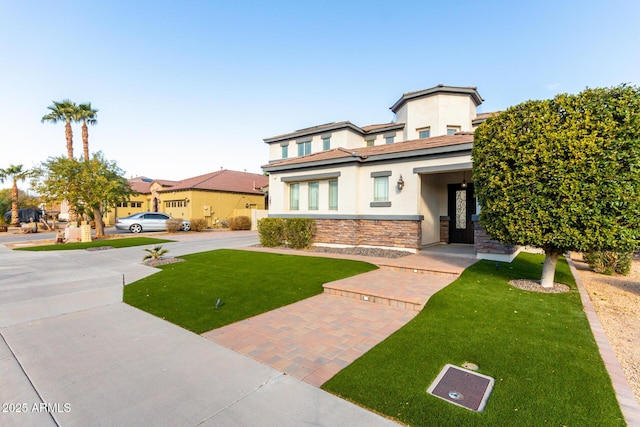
85	140
69	135
97	219
14	204
549	268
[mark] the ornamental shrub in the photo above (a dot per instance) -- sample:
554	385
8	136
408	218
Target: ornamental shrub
239	223
300	232
271	232
609	262
198	224
174	225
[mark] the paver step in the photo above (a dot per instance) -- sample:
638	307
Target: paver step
418	270
409	291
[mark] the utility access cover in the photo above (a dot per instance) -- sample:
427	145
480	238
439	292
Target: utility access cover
462	387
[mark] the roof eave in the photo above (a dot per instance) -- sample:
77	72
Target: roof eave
307	132
471	91
453	149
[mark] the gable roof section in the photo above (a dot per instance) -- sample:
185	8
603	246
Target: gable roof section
471	91
376	152
328	127
223	180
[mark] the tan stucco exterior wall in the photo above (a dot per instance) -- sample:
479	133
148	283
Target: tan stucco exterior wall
213	206
436	112
109	217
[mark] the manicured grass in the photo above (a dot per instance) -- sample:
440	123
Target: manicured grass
538	347
248	283
114	243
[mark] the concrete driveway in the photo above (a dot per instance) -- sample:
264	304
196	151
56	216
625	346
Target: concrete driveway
72	354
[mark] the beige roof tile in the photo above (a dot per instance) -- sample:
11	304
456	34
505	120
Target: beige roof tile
376	150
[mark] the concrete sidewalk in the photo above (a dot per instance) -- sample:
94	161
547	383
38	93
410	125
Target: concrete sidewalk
116	365
70	360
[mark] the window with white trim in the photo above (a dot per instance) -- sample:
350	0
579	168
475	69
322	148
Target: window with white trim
294	196
304	148
333	195
451	130
326	144
285	151
424	133
314	195
380	188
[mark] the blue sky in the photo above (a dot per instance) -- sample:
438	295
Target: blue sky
185	88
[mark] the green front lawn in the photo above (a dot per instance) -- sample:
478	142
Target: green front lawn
247	283
114	243
538	347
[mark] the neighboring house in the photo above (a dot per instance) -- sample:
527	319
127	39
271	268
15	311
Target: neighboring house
214	196
404	184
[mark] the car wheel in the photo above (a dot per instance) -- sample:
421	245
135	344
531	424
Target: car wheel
135	228
186	227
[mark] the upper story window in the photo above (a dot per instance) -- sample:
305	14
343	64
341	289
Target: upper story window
424	133
304	148
285	151
314	195
371	143
326	143
121	205
294	196
451	130
389	137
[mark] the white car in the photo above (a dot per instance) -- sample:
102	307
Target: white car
147	221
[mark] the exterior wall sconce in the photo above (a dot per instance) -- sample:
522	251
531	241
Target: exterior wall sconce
400	183
464	181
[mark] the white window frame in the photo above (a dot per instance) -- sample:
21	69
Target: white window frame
294	196
314	195
381	189
333	195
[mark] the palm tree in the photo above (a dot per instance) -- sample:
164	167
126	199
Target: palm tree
63	111
14	173
86	115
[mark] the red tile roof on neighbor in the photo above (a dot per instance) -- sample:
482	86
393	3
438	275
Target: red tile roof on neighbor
141	184
376	150
223	180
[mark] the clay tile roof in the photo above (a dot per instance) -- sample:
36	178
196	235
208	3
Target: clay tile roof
376	150
378	127
313	130
141	184
224	180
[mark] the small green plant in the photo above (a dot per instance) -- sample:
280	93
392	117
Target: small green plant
198	224
609	262
300	232
271	232
297	233
239	223
174	225
154	253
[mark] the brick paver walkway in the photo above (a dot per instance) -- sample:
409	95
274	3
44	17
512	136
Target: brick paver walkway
314	339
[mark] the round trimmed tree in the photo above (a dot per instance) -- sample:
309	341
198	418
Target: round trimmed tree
562	174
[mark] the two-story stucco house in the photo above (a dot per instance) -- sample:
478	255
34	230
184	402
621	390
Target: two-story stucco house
405	184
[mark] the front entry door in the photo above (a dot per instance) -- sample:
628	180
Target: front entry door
462	205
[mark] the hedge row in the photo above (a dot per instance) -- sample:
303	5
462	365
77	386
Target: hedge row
297	233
